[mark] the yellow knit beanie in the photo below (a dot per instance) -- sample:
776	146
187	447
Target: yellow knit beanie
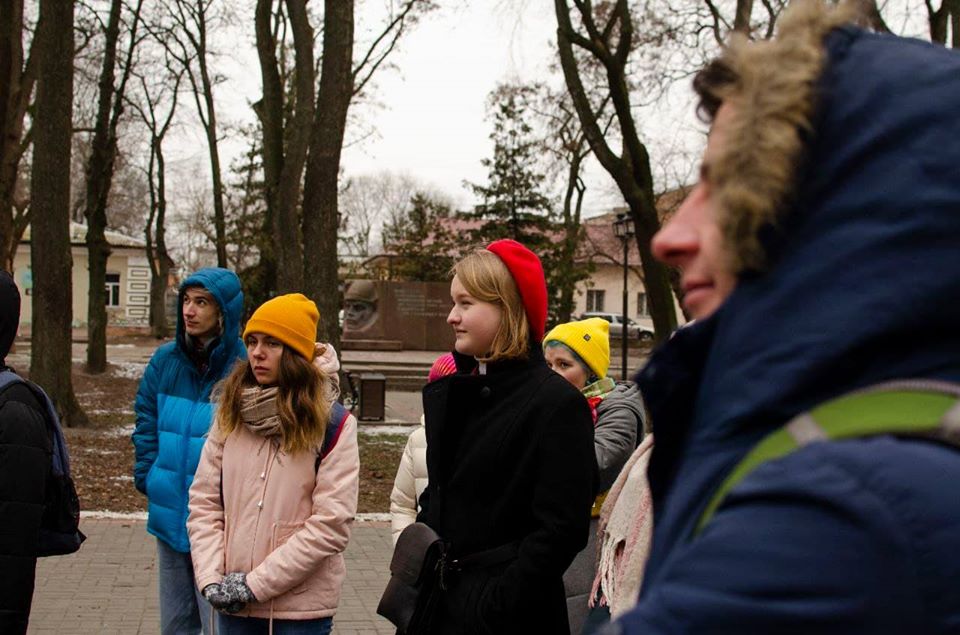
290	318
590	339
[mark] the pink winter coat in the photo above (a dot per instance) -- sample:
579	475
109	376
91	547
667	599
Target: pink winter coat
279	522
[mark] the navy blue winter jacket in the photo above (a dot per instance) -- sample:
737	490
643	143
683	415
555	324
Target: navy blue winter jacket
174	411
849	537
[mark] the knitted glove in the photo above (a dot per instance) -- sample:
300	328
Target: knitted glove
214	594
234	586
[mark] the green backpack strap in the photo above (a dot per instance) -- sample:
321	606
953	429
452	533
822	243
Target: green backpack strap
927	409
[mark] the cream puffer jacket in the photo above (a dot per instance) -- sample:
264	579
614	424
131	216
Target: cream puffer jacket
279	521
410	482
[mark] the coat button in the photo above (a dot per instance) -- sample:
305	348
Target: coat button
259	504
263	475
485	392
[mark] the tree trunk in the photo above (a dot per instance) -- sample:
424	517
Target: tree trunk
50	361
322	282
210	127
99	169
16	84
160	261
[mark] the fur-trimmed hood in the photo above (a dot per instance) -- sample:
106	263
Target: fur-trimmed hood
861	276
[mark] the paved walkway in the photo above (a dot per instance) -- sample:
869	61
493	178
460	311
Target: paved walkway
110	585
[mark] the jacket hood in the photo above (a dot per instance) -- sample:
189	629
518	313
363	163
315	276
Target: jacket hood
863	280
224	286
9	314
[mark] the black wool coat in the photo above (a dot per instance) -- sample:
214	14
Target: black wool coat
25	450
510	460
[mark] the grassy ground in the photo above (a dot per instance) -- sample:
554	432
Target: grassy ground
102	455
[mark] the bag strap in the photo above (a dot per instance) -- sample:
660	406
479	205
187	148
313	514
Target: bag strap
338	417
923	409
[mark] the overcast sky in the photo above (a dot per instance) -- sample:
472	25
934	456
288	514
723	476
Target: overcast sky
429	117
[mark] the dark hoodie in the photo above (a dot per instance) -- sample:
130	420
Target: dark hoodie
24	466
858	536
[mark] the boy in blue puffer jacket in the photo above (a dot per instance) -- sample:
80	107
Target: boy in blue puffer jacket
174	412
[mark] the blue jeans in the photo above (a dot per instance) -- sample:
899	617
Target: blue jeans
234	625
183	610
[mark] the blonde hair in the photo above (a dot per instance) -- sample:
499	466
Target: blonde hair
487	279
301	404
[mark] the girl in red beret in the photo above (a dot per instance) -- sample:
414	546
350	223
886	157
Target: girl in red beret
510	457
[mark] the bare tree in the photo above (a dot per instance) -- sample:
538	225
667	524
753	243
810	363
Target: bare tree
608	43
16	86
187	41
369	201
320	207
285	143
99	176
312	133
50	259
154	95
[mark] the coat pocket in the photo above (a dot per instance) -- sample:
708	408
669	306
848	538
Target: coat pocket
282	532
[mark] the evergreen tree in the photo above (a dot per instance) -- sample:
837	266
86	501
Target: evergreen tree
513	203
421	239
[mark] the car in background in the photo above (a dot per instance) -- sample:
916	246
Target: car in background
634	330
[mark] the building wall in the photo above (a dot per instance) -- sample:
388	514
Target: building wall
609	278
129	263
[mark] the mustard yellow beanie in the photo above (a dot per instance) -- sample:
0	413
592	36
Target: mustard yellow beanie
590	339
290	318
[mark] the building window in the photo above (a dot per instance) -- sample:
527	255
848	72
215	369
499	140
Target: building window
642	310
595	299
113	289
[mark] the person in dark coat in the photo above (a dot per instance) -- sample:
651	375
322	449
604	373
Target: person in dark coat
836	180
25	460
512	471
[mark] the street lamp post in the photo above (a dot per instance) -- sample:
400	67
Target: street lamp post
623	229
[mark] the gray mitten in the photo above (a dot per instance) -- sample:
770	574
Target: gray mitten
214	594
234	586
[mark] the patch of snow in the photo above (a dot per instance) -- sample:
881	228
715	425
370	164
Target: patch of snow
129	370
120	431
114	515
372	517
125	478
376	430
97	451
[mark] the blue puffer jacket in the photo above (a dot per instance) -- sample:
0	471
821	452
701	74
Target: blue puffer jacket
174	411
846	537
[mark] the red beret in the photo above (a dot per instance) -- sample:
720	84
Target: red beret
527	272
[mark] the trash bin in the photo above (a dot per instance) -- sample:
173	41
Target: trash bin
373	396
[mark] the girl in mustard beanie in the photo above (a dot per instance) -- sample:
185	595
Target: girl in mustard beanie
276	490
580	352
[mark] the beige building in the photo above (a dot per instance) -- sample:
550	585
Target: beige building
603	290
128	278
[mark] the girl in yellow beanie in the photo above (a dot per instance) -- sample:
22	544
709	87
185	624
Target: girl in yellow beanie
580	352
276	490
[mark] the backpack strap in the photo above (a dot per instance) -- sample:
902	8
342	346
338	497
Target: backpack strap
338	417
922	409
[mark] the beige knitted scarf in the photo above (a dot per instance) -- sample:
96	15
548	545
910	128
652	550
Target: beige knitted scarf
625	534
258	409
